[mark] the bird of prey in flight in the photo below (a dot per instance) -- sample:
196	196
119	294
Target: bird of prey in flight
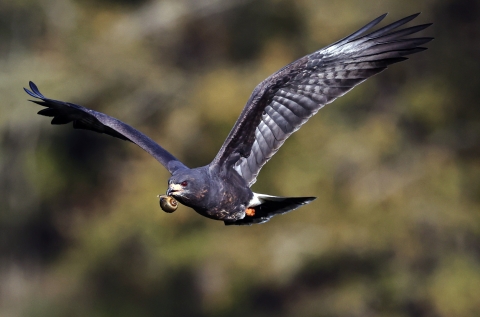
278	107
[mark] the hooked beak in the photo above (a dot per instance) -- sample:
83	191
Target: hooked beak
174	188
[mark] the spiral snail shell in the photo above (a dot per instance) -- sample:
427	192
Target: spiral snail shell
168	203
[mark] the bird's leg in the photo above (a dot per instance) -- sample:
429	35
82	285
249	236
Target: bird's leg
250	212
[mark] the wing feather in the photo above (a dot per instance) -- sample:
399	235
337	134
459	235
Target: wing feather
83	118
283	102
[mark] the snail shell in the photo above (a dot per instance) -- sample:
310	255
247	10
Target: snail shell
168	203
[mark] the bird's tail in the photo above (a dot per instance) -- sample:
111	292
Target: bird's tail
266	207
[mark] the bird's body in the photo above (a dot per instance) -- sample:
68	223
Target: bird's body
225	196
278	107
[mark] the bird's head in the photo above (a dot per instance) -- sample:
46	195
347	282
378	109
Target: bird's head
189	186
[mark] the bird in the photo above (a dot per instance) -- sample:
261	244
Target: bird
277	107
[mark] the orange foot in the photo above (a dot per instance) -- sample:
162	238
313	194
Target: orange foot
250	212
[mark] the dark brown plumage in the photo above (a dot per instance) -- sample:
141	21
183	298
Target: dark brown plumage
278	107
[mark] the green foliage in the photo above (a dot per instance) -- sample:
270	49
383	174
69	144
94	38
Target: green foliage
395	164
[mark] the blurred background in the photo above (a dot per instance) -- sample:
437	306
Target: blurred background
395	164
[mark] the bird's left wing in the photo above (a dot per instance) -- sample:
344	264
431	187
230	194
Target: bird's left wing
282	103
83	118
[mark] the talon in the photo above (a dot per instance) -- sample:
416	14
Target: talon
250	212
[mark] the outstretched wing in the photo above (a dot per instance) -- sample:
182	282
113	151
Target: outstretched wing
282	103
83	118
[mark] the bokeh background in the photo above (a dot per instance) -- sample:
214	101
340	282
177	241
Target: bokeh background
395	164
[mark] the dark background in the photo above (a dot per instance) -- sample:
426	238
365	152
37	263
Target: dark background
395	164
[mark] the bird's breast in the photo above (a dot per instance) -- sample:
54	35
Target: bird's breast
227	198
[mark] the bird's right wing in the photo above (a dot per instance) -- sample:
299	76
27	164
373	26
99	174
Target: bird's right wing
282	103
83	118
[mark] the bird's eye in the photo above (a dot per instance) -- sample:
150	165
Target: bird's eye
184	183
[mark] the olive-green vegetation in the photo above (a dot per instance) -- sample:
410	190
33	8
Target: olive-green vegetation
395	164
